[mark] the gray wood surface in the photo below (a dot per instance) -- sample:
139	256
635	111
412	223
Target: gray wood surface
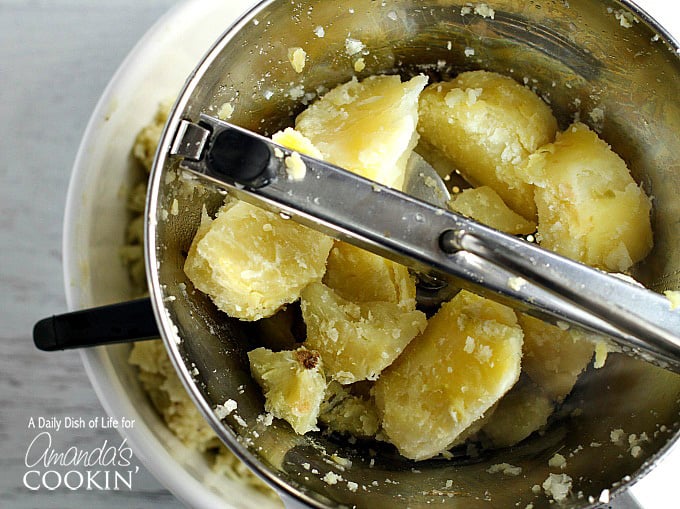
56	57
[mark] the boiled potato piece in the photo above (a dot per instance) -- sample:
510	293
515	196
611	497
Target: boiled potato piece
450	375
522	411
251	262
553	358
293	383
367	127
589	207
345	412
356	340
488	124
361	276
295	140
484	205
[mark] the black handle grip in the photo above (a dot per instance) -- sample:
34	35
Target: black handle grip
117	323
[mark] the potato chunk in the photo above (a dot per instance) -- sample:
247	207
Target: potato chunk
553	358
356	341
293	383
251	262
450	375
367	127
484	205
589	207
519	413
345	412
361	276
487	124
294	140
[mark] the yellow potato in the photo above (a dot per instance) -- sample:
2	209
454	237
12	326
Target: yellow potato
589	207
450	375
251	262
367	127
487	125
553	358
293	383
344	412
484	205
361	276
294	140
356	341
519	413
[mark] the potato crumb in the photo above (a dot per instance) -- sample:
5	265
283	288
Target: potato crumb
353	46
505	468
616	436
225	111
343	462
485	11
295	167
221	411
604	496
297	58
359	64
331	478
516	283
557	486
352	486
319	31
596	115
557	461
626	19
266	419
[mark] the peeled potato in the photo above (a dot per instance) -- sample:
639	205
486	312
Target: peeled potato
251	262
367	127
522	411
361	276
450	375
345	412
356	341
553	358
589	207
294	140
293	383
483	204
487	125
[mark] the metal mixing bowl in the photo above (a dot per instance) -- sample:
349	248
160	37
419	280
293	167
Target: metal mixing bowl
581	58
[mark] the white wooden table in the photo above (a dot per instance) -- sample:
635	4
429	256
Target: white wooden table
56	57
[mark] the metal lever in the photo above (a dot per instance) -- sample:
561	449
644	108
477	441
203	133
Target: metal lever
427	238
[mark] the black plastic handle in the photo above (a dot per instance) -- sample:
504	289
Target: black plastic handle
117	323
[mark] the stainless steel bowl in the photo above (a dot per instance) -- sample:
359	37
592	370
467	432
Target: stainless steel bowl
580	57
